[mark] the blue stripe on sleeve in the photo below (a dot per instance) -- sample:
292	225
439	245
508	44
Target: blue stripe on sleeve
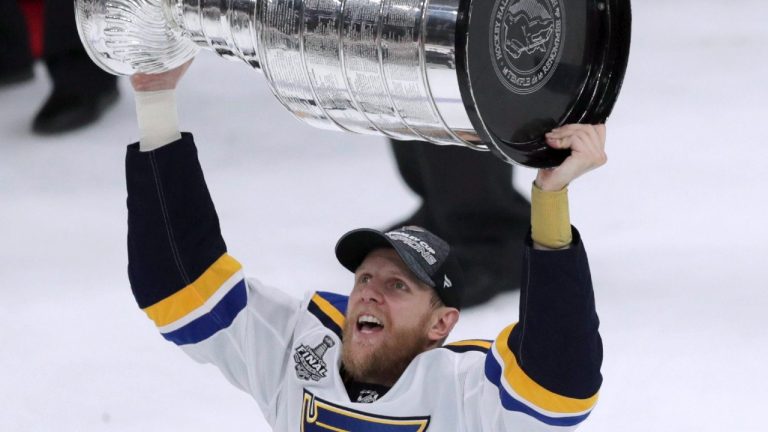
337	300
493	374
219	318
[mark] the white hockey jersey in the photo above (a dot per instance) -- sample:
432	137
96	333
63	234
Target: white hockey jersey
286	354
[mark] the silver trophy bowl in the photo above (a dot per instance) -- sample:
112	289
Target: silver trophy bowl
404	69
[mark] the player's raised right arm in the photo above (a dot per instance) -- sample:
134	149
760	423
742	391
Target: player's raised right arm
174	237
180	272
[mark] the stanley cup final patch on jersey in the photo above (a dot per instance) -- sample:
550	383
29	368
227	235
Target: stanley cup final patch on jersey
309	361
318	415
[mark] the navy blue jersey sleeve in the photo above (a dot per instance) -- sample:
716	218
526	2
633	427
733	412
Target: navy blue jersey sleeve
173	229
186	282
556	341
547	365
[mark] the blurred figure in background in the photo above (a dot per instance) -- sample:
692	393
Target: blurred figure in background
468	200
81	91
15	51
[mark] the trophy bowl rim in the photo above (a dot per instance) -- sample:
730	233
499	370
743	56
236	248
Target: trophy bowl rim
593	104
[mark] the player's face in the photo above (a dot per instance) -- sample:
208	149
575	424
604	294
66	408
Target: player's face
388	319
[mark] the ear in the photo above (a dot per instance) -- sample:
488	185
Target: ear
443	320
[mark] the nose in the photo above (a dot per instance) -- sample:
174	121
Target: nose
371	292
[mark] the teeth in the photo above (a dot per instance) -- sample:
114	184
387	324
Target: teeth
369	319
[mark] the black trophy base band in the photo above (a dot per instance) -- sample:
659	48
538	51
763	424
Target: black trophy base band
528	66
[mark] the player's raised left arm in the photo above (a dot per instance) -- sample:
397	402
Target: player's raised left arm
546	367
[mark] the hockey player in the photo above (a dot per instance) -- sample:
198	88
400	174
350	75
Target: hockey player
373	360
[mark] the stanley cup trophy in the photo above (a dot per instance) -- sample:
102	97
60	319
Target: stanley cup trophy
488	74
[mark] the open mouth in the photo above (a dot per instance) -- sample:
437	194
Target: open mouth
369	324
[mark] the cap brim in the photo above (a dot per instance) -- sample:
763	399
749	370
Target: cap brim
354	246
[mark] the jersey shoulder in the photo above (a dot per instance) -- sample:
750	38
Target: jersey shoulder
330	309
469	345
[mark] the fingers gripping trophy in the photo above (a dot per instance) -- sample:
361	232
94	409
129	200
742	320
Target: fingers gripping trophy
487	74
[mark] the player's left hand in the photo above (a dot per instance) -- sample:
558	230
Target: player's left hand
587	144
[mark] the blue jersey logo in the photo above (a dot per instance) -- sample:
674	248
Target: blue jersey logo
318	415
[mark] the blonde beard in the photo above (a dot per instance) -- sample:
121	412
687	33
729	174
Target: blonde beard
384	364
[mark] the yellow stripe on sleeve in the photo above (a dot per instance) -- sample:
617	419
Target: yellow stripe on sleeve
329	310
194	295
473	342
530	390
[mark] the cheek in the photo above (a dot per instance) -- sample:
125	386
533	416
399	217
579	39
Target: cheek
411	317
354	297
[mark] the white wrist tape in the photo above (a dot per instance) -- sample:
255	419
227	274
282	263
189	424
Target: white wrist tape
158	119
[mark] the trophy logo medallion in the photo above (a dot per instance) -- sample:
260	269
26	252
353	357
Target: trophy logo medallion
526	42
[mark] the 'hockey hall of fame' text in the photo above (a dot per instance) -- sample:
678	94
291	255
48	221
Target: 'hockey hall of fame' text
318	415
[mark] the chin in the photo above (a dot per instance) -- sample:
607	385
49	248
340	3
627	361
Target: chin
360	353
361	357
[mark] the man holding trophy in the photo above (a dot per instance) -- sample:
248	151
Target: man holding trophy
373	360
531	81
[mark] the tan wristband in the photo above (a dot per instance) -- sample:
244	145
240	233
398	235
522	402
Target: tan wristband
550	218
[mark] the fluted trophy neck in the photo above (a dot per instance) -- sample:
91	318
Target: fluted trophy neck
125	37
131	36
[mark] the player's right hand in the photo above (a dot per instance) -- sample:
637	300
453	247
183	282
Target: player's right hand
162	81
587	144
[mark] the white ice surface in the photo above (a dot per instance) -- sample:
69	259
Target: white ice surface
674	226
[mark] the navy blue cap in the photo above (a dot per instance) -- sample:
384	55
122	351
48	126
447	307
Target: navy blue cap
428	256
